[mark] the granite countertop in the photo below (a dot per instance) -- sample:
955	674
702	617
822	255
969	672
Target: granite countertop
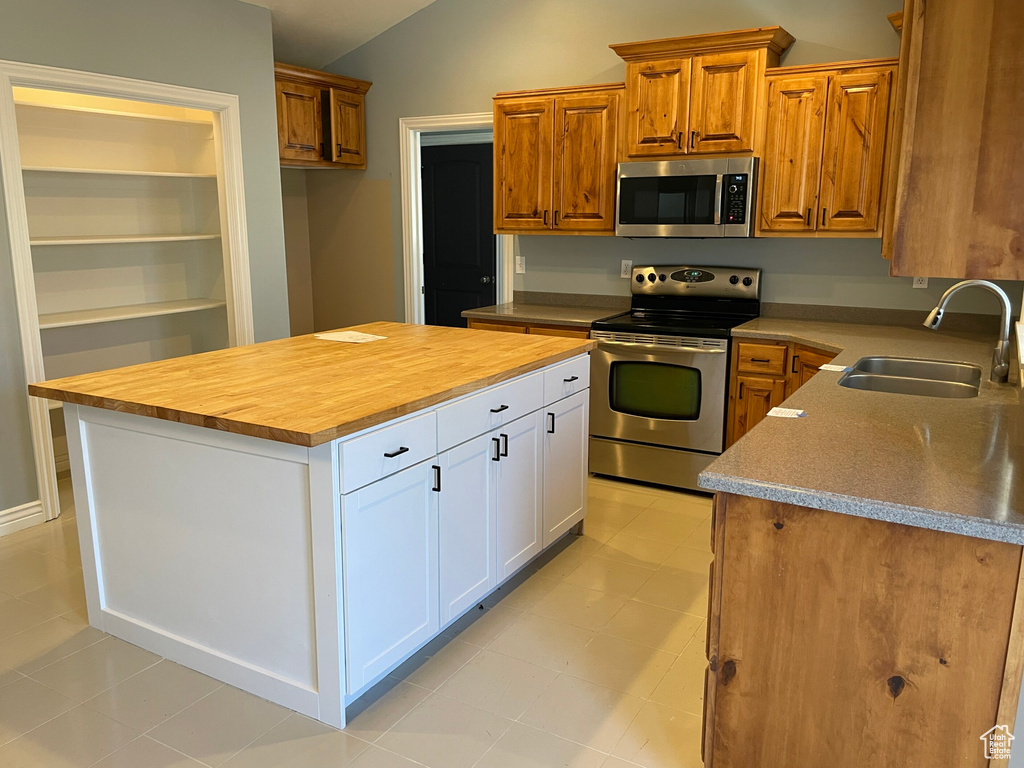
937	463
581	315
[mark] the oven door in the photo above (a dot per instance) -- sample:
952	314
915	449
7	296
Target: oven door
660	394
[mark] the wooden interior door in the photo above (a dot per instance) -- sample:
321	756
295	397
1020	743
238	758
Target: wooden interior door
856	121
522	164
791	164
723	102
755	396
659	102
585	161
299	122
348	136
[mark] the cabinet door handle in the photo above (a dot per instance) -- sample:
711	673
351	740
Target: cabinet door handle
499	410
824	217
693	139
740	395
551	424
808	217
556	218
759	360
496	456
793	368
679	140
545	217
437	478
504	445
399	452
571	379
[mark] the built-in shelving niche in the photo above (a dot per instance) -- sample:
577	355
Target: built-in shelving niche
124	216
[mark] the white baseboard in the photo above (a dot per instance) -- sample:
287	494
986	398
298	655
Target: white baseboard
23	516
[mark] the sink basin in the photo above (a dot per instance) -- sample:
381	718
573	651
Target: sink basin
911	376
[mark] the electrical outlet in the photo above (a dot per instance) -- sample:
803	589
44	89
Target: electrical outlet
520	265
626	270
920	282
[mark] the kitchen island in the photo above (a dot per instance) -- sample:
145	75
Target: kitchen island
865	603
298	517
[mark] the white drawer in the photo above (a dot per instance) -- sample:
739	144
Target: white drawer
566	378
364	459
489	409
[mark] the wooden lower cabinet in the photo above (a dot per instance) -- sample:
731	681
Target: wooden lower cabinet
755	396
568	331
805	363
848	642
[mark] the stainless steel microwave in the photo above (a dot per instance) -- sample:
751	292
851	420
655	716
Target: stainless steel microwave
708	197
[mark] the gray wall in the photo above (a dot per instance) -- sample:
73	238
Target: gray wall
454	55
219	45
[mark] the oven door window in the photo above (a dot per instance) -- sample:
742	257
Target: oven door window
655	390
667	200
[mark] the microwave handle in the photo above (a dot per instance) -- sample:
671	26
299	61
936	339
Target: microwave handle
629	345
718	199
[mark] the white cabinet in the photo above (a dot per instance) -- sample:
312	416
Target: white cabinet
389	535
467	517
566	429
519	476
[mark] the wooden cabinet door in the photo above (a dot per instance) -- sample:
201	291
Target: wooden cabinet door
348	131
389	545
791	164
522	164
519	482
585	161
856	121
806	363
723	102
467	517
299	122
658	109
566	437
755	396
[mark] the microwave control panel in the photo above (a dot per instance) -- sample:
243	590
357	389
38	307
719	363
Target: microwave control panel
734	199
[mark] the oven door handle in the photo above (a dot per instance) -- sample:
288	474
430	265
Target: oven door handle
613	346
718	199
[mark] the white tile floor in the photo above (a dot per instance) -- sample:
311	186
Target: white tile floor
594	658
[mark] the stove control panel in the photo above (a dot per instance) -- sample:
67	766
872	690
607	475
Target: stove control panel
708	282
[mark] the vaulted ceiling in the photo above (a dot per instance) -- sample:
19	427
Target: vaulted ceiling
313	33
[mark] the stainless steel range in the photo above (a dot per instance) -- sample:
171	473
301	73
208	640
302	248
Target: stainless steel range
659	374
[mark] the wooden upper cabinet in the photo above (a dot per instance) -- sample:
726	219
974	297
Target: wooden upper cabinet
555	154
854	154
585	154
658	112
321	120
958	210
522	164
700	94
791	163
724	96
299	122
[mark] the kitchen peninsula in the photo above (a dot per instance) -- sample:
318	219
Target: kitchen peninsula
299	516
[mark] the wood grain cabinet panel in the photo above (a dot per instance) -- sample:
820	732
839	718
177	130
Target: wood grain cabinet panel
755	396
522	164
806	362
854	153
791	164
299	122
659	103
724	96
348	128
585	158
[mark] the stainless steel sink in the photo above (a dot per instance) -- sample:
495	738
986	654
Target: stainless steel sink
911	376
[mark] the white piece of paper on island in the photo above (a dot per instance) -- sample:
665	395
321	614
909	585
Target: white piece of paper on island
352	337
787	413
830	367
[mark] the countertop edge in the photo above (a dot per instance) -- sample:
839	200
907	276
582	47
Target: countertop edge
795	337
916	517
304	439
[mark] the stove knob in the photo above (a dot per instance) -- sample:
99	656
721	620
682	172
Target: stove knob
652	277
639	278
734	279
747	282
662	278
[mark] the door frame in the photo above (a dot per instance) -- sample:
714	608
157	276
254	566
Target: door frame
234	233
475	127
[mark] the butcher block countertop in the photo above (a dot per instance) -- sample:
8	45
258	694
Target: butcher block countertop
307	391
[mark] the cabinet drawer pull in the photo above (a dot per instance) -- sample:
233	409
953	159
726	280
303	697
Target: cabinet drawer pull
571	379
499	410
759	360
795	358
399	452
545	218
504	445
496	456
437	478
551	424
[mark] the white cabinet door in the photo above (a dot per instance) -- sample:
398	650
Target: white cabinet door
389	541
519	475
466	529
566	433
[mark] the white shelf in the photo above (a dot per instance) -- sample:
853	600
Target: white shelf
130	312
111	172
114	113
114	239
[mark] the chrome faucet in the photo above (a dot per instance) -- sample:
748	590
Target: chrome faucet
1001	354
